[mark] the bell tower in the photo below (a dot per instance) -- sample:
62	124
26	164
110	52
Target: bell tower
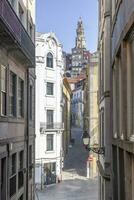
80	38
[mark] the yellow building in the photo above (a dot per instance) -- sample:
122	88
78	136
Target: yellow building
93	111
66	101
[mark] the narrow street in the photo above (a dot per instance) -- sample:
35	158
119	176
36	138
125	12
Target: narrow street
74	183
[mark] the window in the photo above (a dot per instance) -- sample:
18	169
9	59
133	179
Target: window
130	84
3	90
3	172
21	159
13	175
30	154
50	142
121	174
21	197
12	3
20	173
115	171
50	88
21	13
102	127
31	99
21	98
30	162
13	164
49	60
30	29
49	118
12	97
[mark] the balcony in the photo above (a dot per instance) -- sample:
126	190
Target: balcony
14	36
51	126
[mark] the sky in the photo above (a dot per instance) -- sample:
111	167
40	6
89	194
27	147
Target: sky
61	17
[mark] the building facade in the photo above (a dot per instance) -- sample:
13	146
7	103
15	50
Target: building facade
122	58
17	86
104	100
116	38
77	104
49	123
93	111
66	103
75	62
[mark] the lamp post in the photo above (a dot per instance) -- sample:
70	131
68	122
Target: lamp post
95	149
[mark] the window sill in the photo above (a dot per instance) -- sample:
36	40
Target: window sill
49	68
49	152
52	96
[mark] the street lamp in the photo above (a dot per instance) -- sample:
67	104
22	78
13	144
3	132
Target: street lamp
86	142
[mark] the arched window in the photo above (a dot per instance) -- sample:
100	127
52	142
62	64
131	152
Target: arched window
49	60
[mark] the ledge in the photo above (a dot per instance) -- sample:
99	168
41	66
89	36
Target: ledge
102	171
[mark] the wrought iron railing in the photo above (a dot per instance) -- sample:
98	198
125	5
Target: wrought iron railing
47	126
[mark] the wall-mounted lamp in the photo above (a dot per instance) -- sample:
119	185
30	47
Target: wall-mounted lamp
95	149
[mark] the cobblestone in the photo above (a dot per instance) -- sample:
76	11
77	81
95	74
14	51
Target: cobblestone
74	185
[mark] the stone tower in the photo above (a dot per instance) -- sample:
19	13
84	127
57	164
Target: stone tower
80	38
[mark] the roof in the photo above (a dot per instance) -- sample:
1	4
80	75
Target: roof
76	79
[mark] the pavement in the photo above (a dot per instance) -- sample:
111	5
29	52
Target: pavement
74	185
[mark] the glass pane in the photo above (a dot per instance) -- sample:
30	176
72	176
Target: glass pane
3	103
50	60
49	142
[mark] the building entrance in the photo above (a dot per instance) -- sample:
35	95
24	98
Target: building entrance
50	173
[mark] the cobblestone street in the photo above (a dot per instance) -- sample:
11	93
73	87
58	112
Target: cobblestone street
74	183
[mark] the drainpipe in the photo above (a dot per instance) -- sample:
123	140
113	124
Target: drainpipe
27	119
27	137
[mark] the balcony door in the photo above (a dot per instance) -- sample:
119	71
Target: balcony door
50	118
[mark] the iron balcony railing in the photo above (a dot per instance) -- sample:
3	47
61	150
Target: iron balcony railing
13	32
49	126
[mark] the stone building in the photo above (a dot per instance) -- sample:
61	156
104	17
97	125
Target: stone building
66	115
75	62
93	110
77	103
17	80
122	67
104	100
49	123
116	46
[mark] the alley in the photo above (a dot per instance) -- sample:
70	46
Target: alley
74	183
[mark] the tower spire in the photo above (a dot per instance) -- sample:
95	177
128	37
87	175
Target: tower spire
80	38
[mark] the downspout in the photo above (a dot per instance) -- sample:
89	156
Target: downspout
27	119
27	137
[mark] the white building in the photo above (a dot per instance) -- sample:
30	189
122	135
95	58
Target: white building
49	126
